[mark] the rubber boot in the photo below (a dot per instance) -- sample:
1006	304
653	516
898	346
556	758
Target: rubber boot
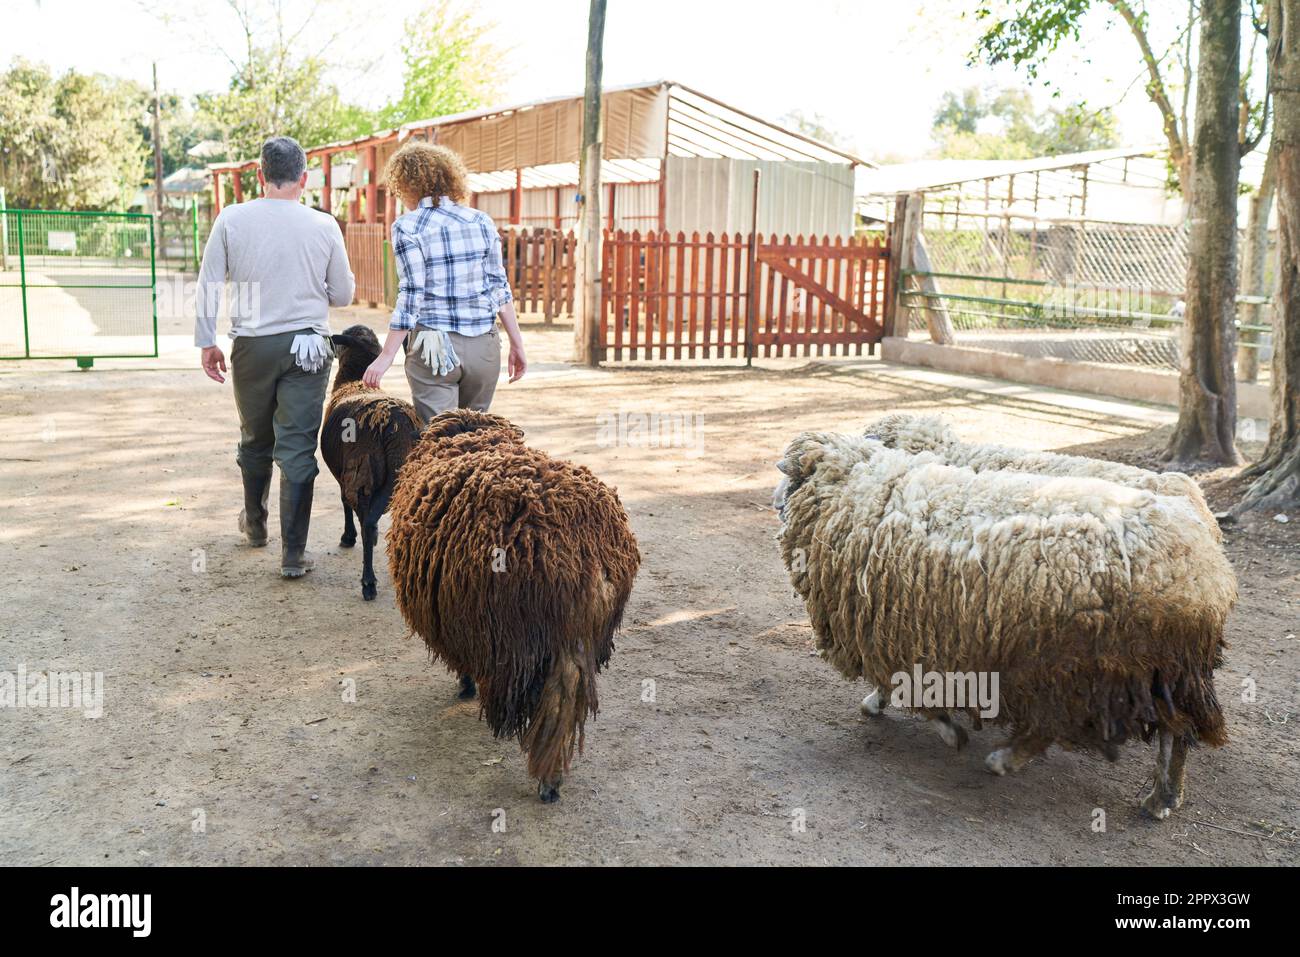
252	517
295	517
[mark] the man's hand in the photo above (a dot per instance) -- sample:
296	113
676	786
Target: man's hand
516	364
374	373
214	363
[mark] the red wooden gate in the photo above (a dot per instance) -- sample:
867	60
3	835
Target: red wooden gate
669	297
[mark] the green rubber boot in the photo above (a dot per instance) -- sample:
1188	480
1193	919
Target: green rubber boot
295	517
252	517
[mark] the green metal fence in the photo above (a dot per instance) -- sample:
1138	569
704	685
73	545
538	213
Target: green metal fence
77	285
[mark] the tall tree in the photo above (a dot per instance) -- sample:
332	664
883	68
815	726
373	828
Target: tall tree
586	330
1277	482
450	64
1040	26
68	142
1225	118
1207	406
1019	130
276	94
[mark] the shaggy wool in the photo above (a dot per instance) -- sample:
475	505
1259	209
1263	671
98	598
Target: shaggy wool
1100	606
383	431
929	433
514	568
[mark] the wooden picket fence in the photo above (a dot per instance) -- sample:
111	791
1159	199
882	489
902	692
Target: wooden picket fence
541	266
365	246
678	297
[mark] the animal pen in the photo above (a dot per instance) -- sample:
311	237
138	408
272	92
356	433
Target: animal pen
77	285
1079	258
725	235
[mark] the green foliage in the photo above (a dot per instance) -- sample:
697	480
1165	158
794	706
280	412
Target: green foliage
972	124
275	95
68	142
1032	34
450	65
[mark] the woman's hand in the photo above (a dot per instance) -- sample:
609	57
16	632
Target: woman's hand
516	363
374	373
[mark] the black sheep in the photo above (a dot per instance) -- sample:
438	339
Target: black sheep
365	439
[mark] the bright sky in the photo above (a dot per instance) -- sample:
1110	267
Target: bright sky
873	69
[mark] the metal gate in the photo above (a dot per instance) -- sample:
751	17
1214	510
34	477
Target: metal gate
669	297
77	285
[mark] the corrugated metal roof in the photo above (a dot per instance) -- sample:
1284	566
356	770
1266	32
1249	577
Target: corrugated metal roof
933	174
698	125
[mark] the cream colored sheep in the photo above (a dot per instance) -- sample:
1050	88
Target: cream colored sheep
929	433
1099	607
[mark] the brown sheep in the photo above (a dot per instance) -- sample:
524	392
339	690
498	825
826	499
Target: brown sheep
514	568
364	439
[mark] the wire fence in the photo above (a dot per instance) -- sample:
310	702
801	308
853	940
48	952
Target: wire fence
1072	289
77	285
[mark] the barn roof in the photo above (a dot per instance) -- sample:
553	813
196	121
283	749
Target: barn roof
642	123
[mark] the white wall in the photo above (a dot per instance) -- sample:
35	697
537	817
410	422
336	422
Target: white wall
716	195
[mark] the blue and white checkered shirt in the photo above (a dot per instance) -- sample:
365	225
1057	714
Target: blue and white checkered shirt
449	271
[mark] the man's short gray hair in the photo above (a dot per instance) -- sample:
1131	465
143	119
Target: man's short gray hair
283	160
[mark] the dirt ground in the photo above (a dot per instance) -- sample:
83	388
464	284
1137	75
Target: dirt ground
227	738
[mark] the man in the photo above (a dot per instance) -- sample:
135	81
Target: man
287	266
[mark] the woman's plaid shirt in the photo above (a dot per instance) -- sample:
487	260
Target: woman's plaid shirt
449	271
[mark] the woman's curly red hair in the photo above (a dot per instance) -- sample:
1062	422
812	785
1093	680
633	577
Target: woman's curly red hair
420	169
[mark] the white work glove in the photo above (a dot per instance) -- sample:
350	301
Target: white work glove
310	351
435	348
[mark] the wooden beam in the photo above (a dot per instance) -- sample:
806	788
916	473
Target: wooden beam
326	197
237	180
372	184
818	291
216	194
517	199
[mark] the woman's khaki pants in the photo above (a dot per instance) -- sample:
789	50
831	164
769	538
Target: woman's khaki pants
468	386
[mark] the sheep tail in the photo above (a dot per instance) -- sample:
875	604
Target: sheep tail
555	728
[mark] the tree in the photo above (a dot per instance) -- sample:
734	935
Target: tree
975	124
1040	26
1207	390
1277	473
586	330
450	65
1207	394
274	94
69	142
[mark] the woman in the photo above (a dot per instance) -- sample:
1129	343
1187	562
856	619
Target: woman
451	288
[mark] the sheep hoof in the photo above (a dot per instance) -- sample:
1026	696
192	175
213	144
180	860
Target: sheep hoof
953	735
467	688
368	591
347	541
548	793
999	761
873	705
1159	806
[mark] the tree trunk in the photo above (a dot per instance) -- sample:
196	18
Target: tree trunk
586	330
1253	268
1207	407
1278	484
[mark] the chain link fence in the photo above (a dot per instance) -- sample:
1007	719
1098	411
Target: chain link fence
1074	289
77	285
